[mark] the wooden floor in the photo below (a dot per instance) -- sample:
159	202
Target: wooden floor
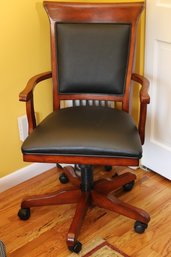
44	233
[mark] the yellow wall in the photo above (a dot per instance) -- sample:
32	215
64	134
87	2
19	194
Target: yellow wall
25	51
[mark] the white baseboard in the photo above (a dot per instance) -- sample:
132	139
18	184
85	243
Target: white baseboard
23	174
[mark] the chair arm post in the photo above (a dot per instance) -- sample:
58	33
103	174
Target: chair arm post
30	115
144	100
27	96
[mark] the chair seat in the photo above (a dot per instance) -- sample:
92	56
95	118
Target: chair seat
85	131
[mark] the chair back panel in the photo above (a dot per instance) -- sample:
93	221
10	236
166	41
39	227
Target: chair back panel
92	58
92	50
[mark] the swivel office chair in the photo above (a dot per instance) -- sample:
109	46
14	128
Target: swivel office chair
92	52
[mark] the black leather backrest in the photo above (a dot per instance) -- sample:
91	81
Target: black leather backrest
92	58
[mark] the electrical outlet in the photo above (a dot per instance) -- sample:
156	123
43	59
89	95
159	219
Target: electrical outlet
23	127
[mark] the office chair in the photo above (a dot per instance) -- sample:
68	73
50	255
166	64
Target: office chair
92	52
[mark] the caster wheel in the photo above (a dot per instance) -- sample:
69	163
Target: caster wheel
108	168
128	187
140	227
24	213
63	178
76	248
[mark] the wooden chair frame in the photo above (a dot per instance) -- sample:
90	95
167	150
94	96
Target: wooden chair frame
99	195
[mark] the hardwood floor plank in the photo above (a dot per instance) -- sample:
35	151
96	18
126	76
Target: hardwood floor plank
44	234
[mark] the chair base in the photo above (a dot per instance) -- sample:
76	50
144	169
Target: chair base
85	192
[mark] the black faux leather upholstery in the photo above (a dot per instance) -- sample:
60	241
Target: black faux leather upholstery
85	131
92	58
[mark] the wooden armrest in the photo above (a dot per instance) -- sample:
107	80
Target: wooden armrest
144	96
27	96
144	100
27	93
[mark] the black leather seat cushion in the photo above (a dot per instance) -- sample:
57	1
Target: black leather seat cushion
85	131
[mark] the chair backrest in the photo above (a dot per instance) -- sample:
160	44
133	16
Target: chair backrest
92	50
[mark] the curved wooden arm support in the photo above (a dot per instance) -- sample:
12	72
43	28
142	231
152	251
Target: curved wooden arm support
27	96
27	93
144	96
144	100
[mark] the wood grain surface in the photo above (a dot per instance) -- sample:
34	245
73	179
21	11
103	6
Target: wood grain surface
44	234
